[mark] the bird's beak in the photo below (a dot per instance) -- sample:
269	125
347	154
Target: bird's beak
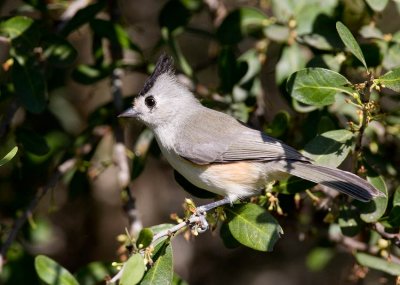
129	113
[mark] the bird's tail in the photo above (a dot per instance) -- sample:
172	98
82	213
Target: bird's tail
337	179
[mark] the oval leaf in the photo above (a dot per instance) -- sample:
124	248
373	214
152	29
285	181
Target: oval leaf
22	31
133	270
350	42
53	273
330	148
145	238
374	209
378	263
162	270
10	155
390	80
253	226
317	86
292	59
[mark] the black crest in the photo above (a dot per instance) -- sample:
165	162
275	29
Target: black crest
165	64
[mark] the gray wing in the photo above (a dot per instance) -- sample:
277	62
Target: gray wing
212	136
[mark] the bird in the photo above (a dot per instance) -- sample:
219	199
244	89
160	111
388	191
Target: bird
215	152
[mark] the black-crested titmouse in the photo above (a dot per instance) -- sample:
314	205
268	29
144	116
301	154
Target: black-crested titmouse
215	152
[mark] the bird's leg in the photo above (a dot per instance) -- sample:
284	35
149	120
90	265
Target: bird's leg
202	210
205	208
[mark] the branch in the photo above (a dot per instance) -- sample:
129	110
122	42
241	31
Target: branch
63	168
197	223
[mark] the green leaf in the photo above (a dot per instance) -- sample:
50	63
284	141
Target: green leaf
330	148
10	155
283	9
144	239
394	216
253	226
277	33
59	52
391	58
350	42
82	17
240	23
161	273
89	74
229	69
293	58
133	270
53	273
227	238
390	80
114	32
371	32
22	31
378	263
32	142
30	86
377	5
317	86
319	258
373	210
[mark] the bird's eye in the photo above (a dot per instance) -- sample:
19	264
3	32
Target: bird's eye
150	101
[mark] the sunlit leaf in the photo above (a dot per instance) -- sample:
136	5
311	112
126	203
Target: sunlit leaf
373	210
378	263
390	80
317	86
293	58
330	148
253	226
162	270
9	156
22	31
144	239
53	273
391	58
350	42
133	270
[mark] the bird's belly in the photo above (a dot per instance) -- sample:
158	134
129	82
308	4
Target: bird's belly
235	180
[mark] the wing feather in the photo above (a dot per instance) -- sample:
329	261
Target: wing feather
214	137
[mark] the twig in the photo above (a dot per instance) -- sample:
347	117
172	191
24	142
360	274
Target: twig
395	237
197	222
120	157
64	167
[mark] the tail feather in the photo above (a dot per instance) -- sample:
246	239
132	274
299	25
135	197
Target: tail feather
337	179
